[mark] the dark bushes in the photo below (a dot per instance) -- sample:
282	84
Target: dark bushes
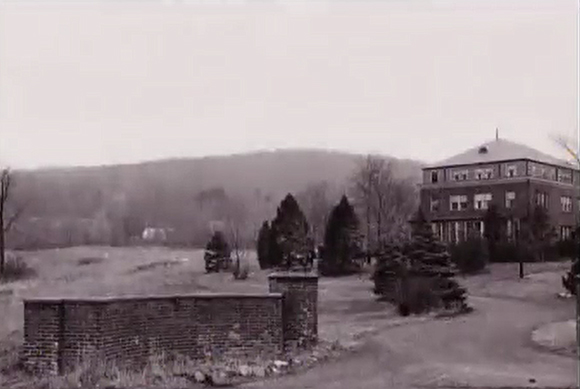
470	256
16	268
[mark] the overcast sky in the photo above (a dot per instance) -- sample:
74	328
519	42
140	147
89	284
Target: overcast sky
85	84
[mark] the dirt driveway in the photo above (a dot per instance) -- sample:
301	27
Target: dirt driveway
492	347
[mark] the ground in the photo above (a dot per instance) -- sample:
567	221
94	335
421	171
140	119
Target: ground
491	347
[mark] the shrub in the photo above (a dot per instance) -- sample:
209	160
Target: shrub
89	261
16	268
568	281
567	248
470	256
506	252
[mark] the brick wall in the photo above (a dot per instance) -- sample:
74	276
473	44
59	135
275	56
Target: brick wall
61	333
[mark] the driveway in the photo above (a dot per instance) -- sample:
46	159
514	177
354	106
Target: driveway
491	347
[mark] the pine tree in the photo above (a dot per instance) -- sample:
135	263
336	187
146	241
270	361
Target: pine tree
263	248
388	270
290	241
342	241
428	258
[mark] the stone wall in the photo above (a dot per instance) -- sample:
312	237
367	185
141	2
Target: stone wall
60	333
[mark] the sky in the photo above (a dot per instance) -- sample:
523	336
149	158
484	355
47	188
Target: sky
90	83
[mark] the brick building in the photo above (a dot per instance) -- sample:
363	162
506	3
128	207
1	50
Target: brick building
456	192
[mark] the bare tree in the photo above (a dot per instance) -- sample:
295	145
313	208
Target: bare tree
7	218
566	144
315	203
239	231
388	201
364	182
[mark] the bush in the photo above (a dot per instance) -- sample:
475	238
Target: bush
470	256
15	268
509	252
568	280
567	248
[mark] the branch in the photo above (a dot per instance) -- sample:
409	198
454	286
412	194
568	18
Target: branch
563	142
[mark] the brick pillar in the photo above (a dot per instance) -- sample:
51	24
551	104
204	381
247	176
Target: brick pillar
41	352
299	307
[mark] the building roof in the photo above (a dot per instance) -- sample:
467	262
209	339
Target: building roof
501	150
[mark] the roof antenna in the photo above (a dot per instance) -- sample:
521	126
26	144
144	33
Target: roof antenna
496	134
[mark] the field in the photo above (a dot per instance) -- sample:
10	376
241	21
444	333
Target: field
491	347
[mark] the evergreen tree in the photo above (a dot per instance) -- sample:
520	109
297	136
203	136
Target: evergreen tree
263	244
290	242
428	258
342	241
388	270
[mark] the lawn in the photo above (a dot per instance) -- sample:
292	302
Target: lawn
348	312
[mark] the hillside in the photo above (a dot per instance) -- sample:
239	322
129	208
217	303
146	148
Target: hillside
87	205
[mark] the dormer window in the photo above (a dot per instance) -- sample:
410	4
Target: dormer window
482	150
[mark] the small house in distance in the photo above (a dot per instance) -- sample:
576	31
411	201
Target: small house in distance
456	192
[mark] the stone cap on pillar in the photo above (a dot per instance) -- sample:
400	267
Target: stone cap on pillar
293	275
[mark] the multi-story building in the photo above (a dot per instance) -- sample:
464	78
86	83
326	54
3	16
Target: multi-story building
456	192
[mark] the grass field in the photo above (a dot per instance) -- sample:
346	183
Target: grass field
348	312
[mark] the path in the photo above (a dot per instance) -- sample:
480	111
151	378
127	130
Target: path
489	348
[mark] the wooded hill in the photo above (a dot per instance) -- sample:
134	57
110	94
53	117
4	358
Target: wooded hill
113	204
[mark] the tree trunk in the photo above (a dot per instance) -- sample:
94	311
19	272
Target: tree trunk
2	240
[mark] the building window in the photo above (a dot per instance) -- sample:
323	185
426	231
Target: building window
479	227
566	203
512	171
434	177
509	229
565	232
484	174
434	205
564	175
542	199
460	175
510	198
482	200
458	203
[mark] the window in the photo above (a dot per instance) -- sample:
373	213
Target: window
564	175
460	175
566	203
458	203
434	204
510	198
542	199
481	200
512	171
479	227
484	174
434	177
509	229
565	232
